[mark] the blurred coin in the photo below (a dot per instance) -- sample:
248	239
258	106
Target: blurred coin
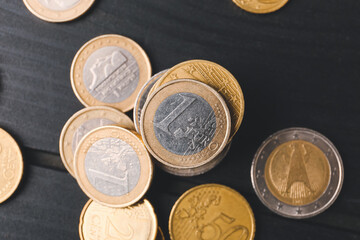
211	211
160	235
109	70
137	222
83	122
297	173
58	10
112	166
260	6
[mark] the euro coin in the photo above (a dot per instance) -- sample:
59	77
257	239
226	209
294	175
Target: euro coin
260	6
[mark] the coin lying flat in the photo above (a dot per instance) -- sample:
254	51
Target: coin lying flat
216	77
83	122
58	10
160	235
112	166
11	165
260	6
211	211
137	222
185	124
109	70
297	173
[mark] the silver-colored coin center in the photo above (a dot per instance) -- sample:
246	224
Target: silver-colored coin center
112	167
59	5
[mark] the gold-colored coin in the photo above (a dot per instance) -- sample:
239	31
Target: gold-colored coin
216	77
211	211
58	10
260	6
137	222
160	235
109	70
83	122
185	124
113	167
297	172
11	165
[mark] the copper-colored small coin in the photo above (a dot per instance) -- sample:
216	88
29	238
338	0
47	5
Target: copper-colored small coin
11	165
160	235
211	211
83	122
185	124
216	77
137	222
58	10
109	70
260	6
113	167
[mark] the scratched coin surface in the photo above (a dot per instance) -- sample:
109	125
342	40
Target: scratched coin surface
260	6
11	165
112	166
185	124
216	77
83	122
109	70
58	10
136	222
142	96
297	173
211	211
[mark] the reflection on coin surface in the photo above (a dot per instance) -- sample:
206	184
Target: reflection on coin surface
109	70
83	122
260	6
112	166
142	96
137	222
11	165
297	173
58	10
185	124
216	77
211	211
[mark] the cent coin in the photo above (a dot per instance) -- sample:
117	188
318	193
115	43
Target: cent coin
260	6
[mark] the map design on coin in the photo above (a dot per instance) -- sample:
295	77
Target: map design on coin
59	5
184	123
112	166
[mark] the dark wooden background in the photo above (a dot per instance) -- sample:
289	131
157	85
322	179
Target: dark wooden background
297	67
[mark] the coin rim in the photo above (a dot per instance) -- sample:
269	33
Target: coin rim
260	11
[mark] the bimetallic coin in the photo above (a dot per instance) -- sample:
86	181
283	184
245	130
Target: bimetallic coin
112	166
260	6
58	10
137	222
185	124
216	77
109	70
11	165
297	173
142	96
211	211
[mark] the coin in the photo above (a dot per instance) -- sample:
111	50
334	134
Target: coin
109	70
160	235
260	6
112	166
211	211
185	124
216	77
142	96
11	165
83	122
58	10
297	173
137	222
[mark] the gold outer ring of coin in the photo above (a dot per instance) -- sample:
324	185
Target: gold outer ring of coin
77	66
146	169
216	77
210	95
12	165
260	6
79	118
49	15
207	196
106	211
